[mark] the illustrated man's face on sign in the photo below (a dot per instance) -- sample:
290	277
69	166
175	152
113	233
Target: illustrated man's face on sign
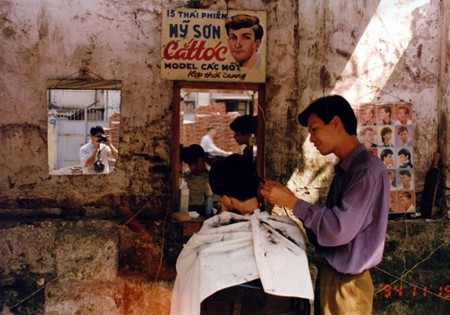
244	39
243	44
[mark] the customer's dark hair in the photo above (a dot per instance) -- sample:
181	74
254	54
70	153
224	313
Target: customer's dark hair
328	107
192	153
235	176
245	124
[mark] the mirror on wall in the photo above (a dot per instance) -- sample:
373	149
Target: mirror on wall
75	109
205	110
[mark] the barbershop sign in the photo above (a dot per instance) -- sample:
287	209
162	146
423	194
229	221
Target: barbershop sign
223	46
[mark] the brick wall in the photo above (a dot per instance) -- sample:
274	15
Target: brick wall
214	115
114	125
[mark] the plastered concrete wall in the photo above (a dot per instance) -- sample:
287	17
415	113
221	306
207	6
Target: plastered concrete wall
368	51
444	93
315	48
118	40
357	49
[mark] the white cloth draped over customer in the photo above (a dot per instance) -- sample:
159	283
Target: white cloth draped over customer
232	249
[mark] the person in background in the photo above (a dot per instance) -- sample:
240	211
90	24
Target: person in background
197	178
98	149
208	145
244	39
244	128
349	230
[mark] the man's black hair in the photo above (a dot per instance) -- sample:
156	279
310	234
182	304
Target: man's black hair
97	129
245	124
328	107
235	176
192	153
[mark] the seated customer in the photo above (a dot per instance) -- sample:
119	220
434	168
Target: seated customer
197	178
240	244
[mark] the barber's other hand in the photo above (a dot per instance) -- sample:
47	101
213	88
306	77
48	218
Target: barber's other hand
278	194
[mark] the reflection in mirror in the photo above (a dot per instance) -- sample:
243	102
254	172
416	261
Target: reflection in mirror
80	114
204	117
215	110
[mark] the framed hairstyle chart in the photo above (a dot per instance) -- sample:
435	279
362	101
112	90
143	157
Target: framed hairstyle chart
386	130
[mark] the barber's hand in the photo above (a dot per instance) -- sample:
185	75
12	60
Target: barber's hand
277	194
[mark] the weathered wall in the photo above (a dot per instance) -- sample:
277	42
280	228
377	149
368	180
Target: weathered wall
368	51
354	48
56	39
444	94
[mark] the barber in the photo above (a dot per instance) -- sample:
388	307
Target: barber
349	230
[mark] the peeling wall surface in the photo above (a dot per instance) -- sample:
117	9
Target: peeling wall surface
366	50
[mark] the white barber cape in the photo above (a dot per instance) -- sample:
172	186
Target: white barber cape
232	249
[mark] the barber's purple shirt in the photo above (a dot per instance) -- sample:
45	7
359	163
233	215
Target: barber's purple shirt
350	229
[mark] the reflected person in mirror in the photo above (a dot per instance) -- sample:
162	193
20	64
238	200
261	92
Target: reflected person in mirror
197	178
244	129
208	145
349	230
97	152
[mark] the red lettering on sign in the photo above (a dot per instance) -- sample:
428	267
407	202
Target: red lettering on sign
195	50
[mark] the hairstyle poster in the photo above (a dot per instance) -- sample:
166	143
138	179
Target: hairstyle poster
386	131
223	46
